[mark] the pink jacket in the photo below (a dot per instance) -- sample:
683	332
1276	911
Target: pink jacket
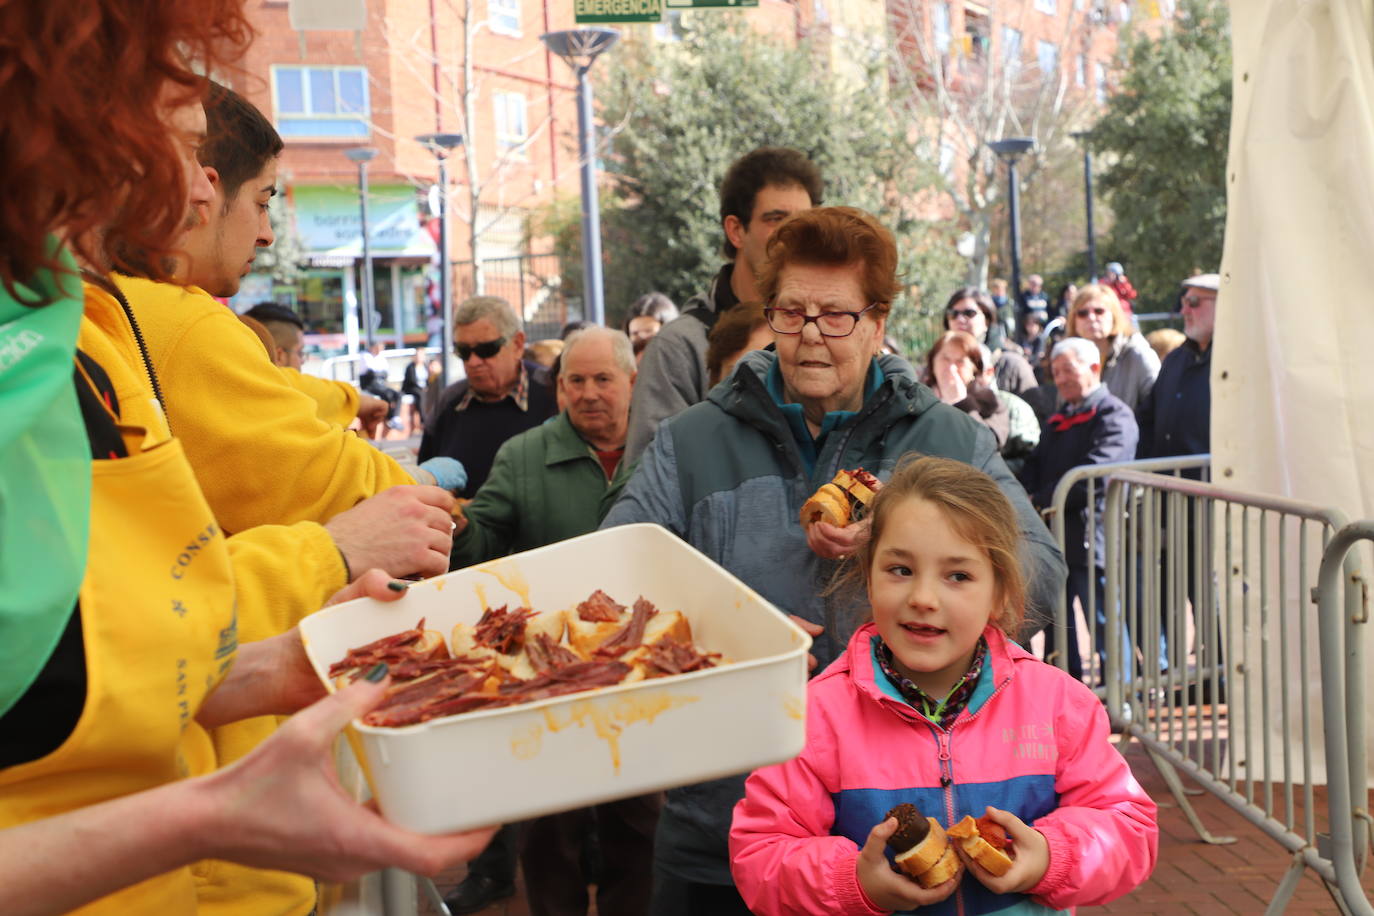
1032	741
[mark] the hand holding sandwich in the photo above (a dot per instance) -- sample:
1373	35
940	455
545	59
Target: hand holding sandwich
835	543
1030	858
889	889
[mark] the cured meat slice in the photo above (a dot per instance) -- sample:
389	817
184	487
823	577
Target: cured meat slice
503	630
668	656
545	654
600	608
630	636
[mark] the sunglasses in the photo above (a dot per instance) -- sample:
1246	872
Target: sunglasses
962	313
1085	312
485	350
1192	302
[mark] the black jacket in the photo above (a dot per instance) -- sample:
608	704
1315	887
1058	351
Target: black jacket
473	435
1109	433
1176	418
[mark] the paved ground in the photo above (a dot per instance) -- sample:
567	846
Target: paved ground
1191	877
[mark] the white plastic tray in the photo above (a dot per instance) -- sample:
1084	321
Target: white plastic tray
503	765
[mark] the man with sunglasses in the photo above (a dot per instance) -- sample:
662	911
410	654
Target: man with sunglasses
502	395
1176	420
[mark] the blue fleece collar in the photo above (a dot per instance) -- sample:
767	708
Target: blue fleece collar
810	446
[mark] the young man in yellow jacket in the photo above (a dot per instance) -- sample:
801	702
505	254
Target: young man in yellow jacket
259	450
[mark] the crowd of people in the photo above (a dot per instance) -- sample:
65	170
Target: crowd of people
177	495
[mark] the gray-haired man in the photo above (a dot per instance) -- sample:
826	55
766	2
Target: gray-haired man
502	396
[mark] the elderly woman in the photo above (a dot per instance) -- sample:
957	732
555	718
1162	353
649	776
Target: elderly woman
1129	365
730	474
971	310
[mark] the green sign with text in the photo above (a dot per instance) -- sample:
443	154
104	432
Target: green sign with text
605	11
707	4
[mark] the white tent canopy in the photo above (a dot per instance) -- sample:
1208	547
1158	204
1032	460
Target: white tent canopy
1293	369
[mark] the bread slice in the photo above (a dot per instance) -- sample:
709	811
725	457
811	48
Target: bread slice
829	505
944	869
966	834
668	623
927	854
584	636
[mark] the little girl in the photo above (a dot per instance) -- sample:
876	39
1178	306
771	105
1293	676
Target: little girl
933	704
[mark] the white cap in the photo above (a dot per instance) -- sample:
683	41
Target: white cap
1204	281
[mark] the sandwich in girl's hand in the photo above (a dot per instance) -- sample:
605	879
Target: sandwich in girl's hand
935	705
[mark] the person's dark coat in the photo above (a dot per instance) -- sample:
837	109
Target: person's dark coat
1176	418
1100	430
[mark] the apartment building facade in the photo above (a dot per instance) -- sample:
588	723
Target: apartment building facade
477	67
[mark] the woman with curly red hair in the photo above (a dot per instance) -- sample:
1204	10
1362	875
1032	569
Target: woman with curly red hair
117	622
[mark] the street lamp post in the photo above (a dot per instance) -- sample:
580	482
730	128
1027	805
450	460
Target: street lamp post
1009	150
441	145
363	155
579	48
1083	136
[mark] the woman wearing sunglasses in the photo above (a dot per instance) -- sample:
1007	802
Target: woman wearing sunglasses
971	310
729	475
1129	365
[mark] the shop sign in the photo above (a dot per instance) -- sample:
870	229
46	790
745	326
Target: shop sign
329	221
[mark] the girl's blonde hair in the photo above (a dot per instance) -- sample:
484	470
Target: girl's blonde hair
975	507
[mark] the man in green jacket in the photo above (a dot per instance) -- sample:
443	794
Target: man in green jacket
557	481
548	484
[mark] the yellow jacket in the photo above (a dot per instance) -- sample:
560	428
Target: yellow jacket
259	450
281	572
335	401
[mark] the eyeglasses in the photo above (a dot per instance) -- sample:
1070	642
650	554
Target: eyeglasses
484	350
830	324
962	313
1193	302
1085	311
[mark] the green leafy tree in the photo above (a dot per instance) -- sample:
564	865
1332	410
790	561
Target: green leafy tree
678	114
1164	140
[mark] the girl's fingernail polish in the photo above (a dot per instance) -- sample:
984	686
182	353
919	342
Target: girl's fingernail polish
377	673
396	586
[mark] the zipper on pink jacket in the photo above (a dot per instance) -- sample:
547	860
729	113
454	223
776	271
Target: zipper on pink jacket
947	783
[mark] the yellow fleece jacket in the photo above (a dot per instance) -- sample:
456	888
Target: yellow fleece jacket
259	450
335	401
281	573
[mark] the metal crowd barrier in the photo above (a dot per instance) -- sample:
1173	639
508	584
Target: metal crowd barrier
1224	576
1091	477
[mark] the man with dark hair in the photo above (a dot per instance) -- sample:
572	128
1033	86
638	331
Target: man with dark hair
287	330
246	430
759	191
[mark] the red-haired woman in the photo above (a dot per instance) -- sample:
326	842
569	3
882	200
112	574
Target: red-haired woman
730	475
117	623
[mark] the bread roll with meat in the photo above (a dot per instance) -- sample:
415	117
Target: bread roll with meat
922	849
841	501
970	838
